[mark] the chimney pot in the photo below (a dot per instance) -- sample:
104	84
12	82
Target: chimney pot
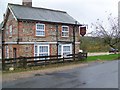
27	3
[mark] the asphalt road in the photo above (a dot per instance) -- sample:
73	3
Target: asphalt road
96	75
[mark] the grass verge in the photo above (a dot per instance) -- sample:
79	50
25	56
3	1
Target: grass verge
104	57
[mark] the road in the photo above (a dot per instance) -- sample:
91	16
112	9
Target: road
95	75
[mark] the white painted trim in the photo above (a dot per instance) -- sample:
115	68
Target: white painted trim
12	13
35	43
10	43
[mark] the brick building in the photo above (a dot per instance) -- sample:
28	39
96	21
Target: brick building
32	31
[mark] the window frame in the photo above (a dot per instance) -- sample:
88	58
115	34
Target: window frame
65	31
6	51
10	31
67	51
61	51
37	54
39	29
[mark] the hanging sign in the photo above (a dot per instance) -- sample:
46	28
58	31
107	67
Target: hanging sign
82	31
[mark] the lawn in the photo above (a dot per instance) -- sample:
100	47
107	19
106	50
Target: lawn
103	57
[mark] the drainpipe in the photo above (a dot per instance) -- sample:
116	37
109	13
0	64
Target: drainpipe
74	28
3	54
57	39
18	34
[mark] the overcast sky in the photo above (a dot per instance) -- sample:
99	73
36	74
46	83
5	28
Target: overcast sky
84	11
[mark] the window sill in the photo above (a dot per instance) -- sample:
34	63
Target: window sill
10	36
65	36
39	36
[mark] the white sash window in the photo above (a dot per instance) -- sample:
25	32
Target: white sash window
65	31
40	29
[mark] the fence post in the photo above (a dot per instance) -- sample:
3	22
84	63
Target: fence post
24	62
3	64
79	56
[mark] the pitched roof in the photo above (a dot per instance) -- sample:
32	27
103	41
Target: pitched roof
41	14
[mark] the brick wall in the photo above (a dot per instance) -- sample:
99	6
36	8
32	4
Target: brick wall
10	21
27	30
13	22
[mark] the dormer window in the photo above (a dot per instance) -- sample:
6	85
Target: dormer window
40	29
65	31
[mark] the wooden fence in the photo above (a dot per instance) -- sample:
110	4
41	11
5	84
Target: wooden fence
42	60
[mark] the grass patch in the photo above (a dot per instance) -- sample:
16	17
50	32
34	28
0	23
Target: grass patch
103	57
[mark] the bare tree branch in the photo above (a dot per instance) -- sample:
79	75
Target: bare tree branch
111	34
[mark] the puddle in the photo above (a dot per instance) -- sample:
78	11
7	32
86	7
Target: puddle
38	74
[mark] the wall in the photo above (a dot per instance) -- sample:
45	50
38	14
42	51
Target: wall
27	30
7	38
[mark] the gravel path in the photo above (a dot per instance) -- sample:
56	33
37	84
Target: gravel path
98	53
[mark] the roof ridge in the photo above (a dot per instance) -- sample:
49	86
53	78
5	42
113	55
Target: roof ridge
38	8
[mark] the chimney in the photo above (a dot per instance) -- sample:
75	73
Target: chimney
3	16
27	3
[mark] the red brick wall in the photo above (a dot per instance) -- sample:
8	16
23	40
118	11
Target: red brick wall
27	30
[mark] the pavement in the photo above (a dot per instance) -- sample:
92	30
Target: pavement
94	75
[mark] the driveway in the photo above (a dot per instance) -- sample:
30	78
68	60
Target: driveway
95	75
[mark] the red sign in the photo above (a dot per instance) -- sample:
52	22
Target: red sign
82	31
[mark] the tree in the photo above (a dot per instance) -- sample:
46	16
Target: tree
110	33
